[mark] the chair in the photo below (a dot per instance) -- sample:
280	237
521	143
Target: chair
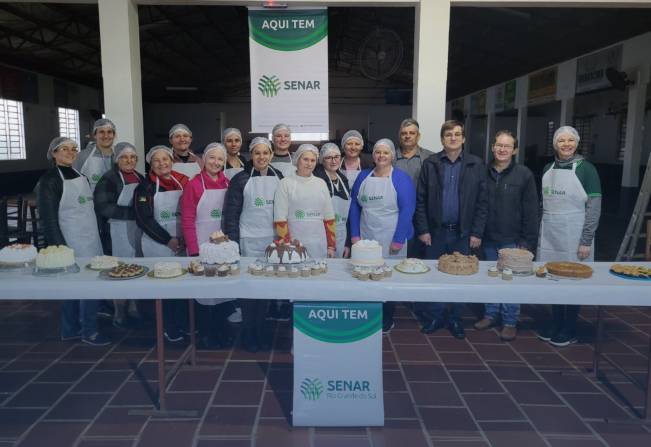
34	232
10	232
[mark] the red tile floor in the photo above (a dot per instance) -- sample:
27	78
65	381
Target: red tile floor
439	391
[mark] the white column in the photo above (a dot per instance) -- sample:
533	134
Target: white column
431	68
634	129
522	134
120	41
490	134
567	111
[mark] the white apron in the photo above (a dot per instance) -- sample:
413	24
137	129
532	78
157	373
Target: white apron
564	201
379	220
126	237
287	169
351	175
257	218
341	208
210	210
305	221
167	212
77	218
94	168
231	172
190	169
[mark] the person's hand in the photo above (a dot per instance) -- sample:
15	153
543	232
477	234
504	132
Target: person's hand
393	249
346	252
426	239
331	252
474	242
176	245
522	247
583	252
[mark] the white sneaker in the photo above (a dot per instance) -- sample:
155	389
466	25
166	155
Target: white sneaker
236	317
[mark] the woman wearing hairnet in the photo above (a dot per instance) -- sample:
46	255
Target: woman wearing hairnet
185	162
337	182
64	201
571	210
282	158
384	201
249	221
354	162
98	156
232	141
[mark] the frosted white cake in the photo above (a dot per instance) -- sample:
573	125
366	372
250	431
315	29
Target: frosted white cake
18	254
55	257
103	262
219	250
366	252
167	269
411	265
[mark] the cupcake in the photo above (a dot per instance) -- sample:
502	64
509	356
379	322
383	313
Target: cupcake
377	274
269	272
251	267
364	274
196	268
507	274
210	271
306	271
293	272
388	271
541	272
257	270
316	270
356	271
223	270
323	266
235	269
493	272
281	272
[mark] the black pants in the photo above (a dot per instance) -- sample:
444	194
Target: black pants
212	319
253	312
565	317
175	312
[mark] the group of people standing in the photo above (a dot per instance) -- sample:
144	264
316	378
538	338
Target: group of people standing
413	202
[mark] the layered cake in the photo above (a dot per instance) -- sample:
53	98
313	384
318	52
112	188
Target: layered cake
219	250
286	252
519	261
569	269
18	254
411	265
55	257
366	252
458	264
103	262
167	269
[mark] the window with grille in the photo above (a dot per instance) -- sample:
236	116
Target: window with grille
582	126
621	137
12	130
69	123
550	139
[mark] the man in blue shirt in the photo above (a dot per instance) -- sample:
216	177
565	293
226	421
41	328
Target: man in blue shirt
451	213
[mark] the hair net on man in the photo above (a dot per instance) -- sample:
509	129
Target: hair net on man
351	134
328	148
279	127
103	123
566	129
230	131
212	147
302	149
260	140
388	144
123	148
155	149
179	128
58	141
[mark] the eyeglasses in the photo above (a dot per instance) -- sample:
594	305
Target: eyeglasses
333	158
66	149
505	146
448	136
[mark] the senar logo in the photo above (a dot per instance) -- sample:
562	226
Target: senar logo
96	177
337	218
81	200
269	86
311	389
165	215
216	214
364	198
259	202
299	214
546	190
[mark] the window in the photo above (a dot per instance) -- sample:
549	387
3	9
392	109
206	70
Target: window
621	138
69	124
582	126
297	136
550	139
12	130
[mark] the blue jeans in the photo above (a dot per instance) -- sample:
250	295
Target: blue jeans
510	312
72	310
446	242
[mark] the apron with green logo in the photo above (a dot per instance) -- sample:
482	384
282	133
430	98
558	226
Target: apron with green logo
126	236
190	169
94	168
305	220
167	212
209	212
341	208
257	218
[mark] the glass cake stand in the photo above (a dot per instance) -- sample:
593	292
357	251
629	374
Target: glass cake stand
17	267
63	271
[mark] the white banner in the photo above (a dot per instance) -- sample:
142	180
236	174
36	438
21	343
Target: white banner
591	69
289	69
338	365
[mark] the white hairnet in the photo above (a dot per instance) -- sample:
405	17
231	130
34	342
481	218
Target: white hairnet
155	149
351	134
279	127
58	141
179	128
123	148
386	143
566	129
328	148
302	149
212	147
103	123
230	131
260	140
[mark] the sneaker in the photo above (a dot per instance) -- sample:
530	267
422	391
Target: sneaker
126	324
548	334
508	333
71	337
387	326
272	313
485	323
211	342
563	339
97	339
105	311
283	312
173	333
236	317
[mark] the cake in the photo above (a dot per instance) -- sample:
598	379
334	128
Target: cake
519	261
388	272
103	262
356	271
286	252
219	250
366	253
196	268
257	270
126	271
167	269
210	271
55	257
377	274
541	272
18	254
269	271
235	269
316	270
458	264
223	270
493	272
364	274
569	269
411	265
281	272
293	272
507	274
306	271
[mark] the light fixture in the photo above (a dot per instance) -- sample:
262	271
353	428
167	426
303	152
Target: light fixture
274	5
181	89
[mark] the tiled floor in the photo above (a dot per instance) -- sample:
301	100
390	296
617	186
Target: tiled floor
439	391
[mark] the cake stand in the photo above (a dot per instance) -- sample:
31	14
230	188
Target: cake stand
17	266
63	271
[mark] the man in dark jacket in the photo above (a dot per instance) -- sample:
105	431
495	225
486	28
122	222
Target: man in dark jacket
512	220
451	211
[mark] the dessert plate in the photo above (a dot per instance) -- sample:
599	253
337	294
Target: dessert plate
104	274
102	269
619	275
151	274
395	267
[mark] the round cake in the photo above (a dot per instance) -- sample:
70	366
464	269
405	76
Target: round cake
167	269
219	250
458	264
285	252
569	269
18	254
366	252
411	265
519	261
55	256
103	262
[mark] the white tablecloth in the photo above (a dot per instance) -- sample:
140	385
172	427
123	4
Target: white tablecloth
336	285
